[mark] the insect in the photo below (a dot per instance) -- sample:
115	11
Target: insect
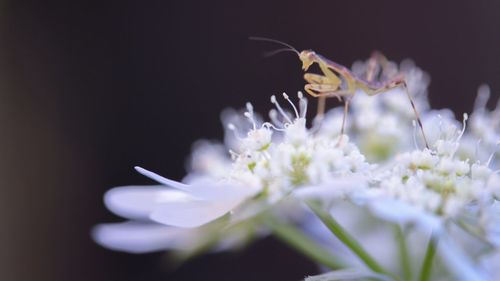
338	81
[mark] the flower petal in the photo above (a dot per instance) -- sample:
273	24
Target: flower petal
192	213
160	179
205	188
402	213
335	188
491	223
458	262
137	202
136	237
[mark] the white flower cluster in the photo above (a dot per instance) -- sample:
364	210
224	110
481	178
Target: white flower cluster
267	163
297	157
378	125
437	181
264	164
482	139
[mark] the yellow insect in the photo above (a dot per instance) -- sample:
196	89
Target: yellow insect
338	81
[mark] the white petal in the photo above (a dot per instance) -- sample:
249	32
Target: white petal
137	202
491	223
205	188
458	263
160	179
402	213
135	237
192	213
490	264
331	189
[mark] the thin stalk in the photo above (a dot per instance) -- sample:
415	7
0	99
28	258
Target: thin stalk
302	243
349	241
403	253
425	273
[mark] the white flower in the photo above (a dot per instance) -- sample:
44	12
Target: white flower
429	187
208	159
262	171
481	141
382	125
297	157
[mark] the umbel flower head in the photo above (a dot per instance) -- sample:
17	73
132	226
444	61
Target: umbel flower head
382	126
256	181
267	163
436	182
482	139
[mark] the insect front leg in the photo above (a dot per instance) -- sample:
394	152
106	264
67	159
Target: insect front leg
319	79
325	91
332	82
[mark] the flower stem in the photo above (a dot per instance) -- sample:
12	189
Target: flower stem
403	253
349	241
302	243
425	273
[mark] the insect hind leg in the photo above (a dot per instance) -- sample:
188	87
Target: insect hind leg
344	118
417	115
400	82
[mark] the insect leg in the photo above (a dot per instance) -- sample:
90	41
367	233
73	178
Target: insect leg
324	92
416	114
332	79
321	107
377	63
399	82
344	118
318	91
327	79
317	79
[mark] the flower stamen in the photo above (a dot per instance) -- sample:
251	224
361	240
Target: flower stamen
270	125
293	106
464	125
414	123
302	104
281	111
273	115
492	156
232	128
249	114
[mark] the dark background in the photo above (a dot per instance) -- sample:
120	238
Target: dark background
90	89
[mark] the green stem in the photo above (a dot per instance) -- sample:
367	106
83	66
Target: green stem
403	253
425	273
302	243
349	241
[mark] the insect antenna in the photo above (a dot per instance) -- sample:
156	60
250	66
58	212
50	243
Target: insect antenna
275	52
289	47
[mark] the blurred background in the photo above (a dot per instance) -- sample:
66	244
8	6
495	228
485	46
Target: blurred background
90	89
